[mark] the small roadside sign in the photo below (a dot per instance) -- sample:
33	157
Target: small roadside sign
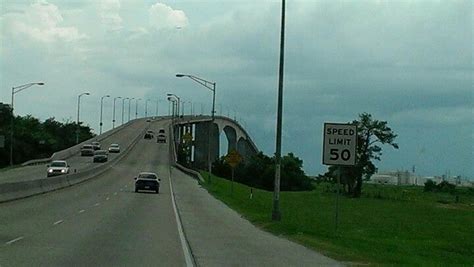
340	144
233	158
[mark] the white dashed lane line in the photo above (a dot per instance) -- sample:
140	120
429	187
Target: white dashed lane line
96	204
14	240
58	222
115	193
107	198
81	211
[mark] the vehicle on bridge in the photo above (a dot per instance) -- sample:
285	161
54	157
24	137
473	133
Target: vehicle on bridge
147	181
100	156
57	167
161	131
161	138
114	148
149	134
87	150
96	145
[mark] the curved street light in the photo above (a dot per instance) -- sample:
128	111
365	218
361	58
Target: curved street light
113	116
78	112
101	105
123	105
136	107
211	86
178	105
146	108
129	100
17	89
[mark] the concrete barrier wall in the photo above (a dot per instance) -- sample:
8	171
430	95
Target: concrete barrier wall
17	190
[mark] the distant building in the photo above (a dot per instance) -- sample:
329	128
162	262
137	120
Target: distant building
408	178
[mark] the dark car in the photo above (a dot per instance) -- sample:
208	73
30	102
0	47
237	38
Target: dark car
161	138
161	131
149	134
100	156
147	181
87	150
96	145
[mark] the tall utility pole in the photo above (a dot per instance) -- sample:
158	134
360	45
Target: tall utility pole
276	215
136	107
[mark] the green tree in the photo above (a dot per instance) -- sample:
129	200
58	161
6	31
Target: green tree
371	134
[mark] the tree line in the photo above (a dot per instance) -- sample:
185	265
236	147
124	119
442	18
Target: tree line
34	139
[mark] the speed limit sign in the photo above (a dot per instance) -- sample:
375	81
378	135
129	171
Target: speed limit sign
340	143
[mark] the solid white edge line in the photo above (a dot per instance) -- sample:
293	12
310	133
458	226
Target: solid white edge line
14	240
58	222
184	244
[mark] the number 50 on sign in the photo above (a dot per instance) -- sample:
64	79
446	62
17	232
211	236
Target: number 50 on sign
340	144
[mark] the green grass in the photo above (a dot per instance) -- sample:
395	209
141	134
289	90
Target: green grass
389	225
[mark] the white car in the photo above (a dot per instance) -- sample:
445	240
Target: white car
57	167
114	148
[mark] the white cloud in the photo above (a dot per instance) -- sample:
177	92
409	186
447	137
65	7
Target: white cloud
162	16
109	14
40	21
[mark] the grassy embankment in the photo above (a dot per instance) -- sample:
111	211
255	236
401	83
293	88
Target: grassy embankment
387	225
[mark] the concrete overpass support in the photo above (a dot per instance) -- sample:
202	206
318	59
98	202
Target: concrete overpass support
245	149
201	139
231	138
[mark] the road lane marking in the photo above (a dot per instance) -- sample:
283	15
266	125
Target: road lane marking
115	193
121	189
14	240
81	211
184	244
58	222
126	185
107	198
96	204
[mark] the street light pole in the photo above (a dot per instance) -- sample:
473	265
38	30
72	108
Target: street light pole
101	105
136	107
17	89
123	105
211	86
146	108
178	103
113	119
276	214
129	100
156	111
78	112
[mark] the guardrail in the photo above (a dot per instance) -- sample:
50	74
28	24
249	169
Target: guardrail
17	190
71	151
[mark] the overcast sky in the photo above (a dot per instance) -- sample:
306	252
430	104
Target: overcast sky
407	62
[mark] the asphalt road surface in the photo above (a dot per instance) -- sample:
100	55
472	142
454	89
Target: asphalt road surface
101	222
123	137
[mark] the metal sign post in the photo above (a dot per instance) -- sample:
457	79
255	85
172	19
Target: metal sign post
233	159
339	149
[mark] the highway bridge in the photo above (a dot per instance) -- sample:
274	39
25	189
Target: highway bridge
93	217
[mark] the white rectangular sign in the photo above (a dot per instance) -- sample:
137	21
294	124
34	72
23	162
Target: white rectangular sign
339	144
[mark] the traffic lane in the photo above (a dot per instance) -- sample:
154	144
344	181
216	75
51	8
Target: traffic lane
139	227
78	163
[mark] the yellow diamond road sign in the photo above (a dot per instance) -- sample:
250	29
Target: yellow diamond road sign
233	158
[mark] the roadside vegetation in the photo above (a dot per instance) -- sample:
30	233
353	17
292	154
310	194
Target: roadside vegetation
34	139
386	225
